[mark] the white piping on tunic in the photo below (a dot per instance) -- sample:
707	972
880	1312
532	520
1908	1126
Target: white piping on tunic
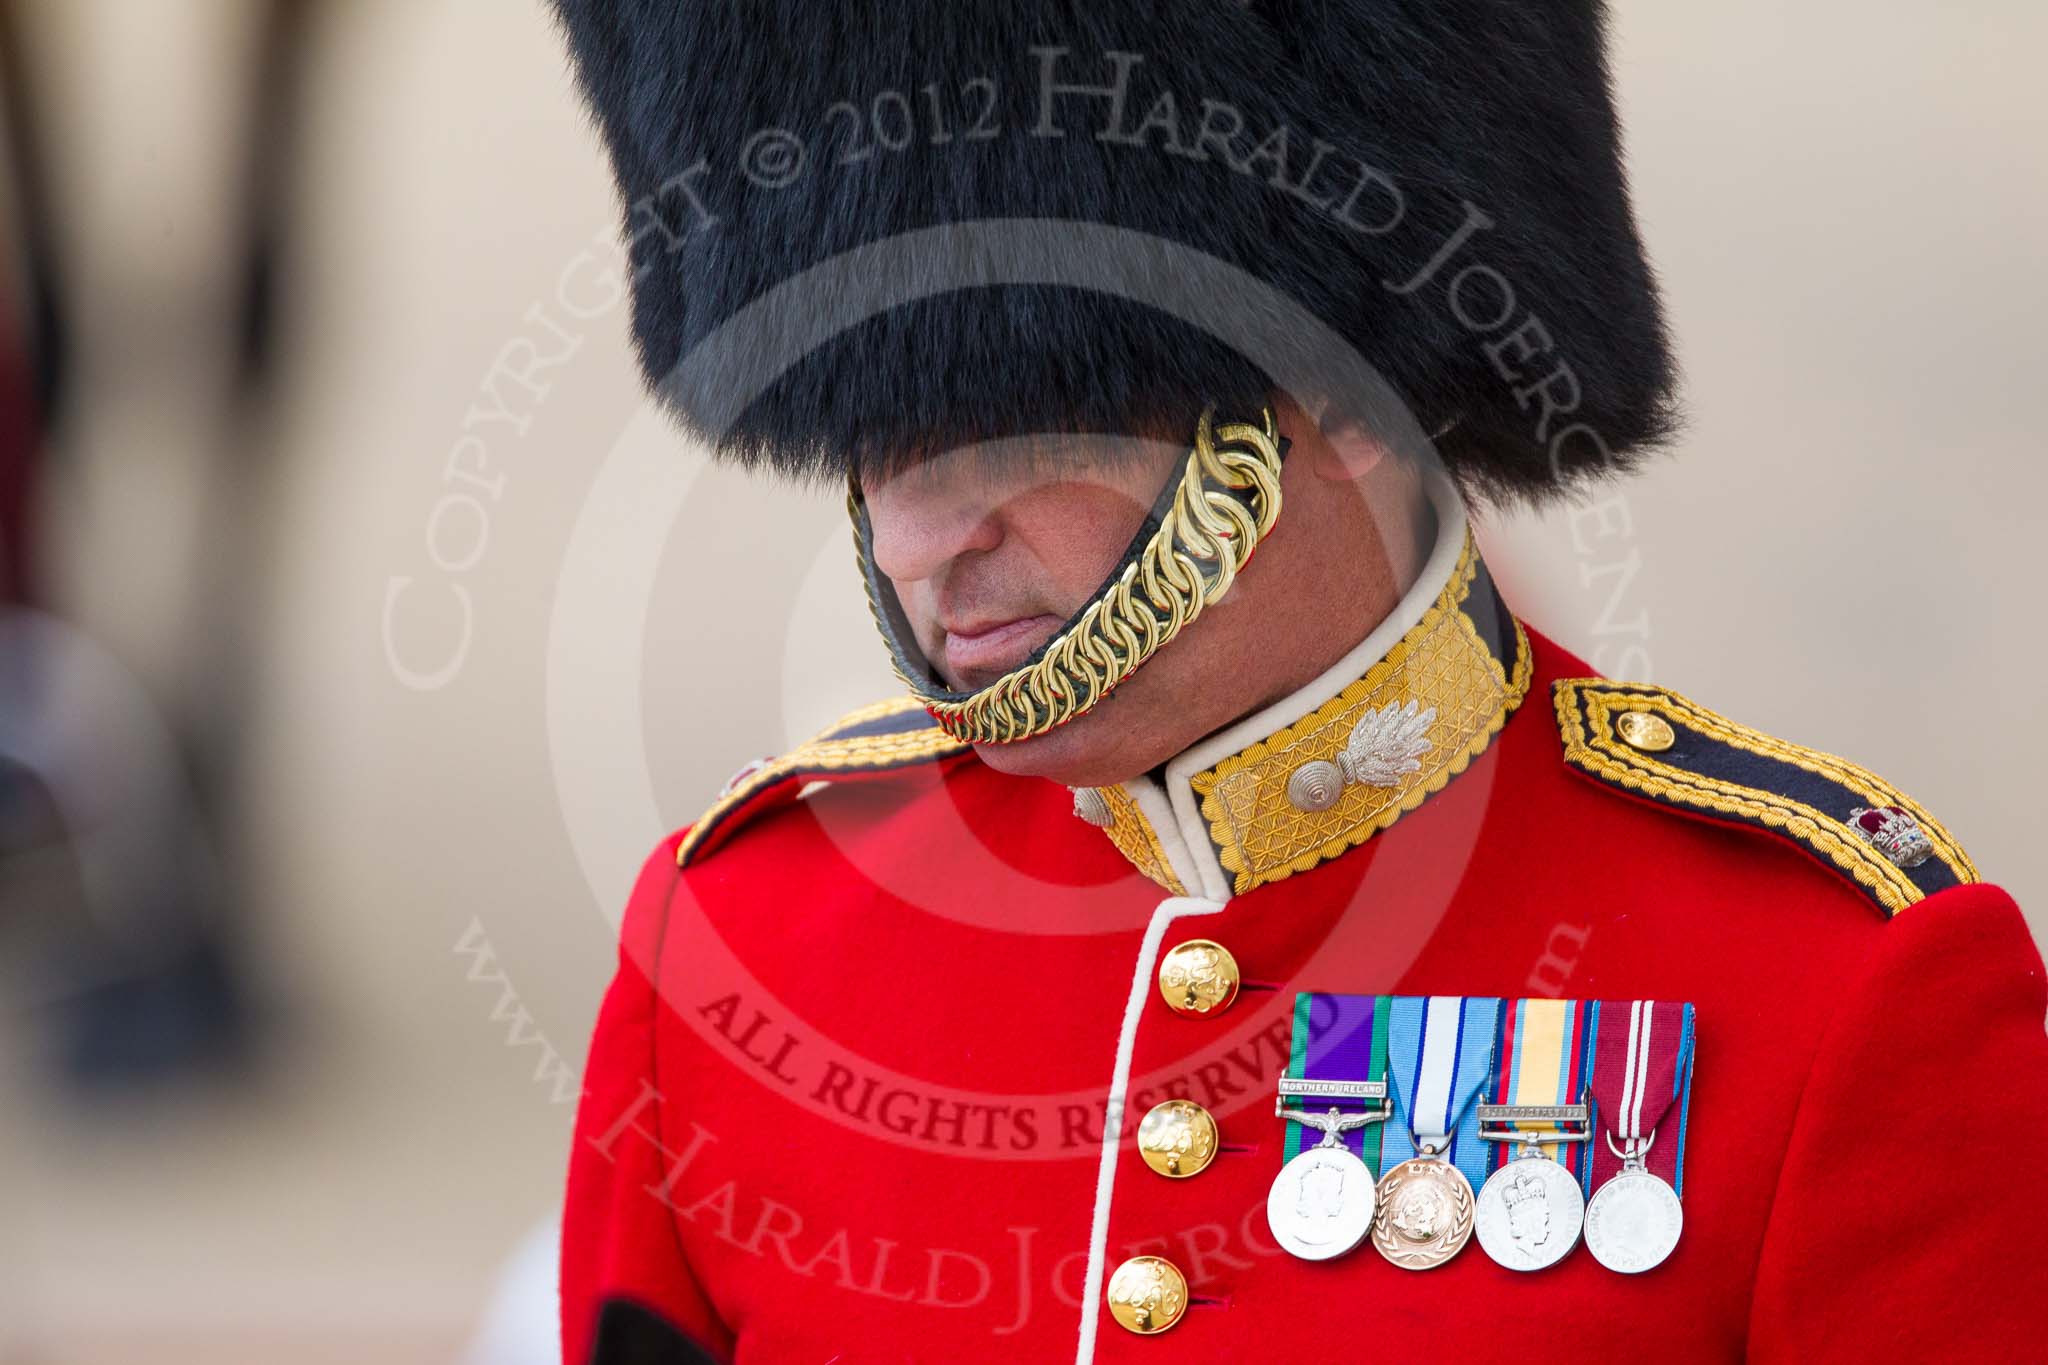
1188	866
1167	911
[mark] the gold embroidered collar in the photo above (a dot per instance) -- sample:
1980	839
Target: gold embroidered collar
1320	772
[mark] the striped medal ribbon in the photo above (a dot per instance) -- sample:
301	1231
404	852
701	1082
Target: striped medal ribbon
1641	1064
1439	1054
1321	1205
1531	1209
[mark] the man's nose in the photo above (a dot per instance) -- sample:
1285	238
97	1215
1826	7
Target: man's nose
918	530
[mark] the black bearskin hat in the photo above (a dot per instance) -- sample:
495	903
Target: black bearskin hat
863	233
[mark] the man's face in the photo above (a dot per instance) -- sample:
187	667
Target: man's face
988	564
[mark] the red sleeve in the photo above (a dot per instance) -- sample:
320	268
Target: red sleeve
1909	1211
627	1292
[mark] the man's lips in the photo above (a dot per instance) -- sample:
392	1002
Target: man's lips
981	651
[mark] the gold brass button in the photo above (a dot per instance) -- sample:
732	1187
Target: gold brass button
1177	1138
1147	1295
1198	977
1645	730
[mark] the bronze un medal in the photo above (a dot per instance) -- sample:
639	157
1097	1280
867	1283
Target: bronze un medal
1530	1213
1425	1214
1633	1222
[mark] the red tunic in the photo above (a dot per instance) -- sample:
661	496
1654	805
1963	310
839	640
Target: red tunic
844	1098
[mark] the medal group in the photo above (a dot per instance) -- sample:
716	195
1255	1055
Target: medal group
1536	1103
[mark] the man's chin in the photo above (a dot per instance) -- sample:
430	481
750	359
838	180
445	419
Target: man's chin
1088	751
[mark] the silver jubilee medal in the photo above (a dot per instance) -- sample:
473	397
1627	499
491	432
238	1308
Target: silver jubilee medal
1635	1218
1322	1202
1642	1059
1530	1210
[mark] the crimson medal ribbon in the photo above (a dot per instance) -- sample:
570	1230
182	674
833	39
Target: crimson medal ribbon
1641	1082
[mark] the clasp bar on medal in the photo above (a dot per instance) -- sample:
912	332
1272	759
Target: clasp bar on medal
1335	1121
1503	1123
1303	1088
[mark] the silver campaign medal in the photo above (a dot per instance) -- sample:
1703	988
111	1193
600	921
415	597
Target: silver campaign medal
1530	1213
1531	1210
1635	1218
1322	1202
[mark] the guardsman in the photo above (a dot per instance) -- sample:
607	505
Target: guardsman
1247	938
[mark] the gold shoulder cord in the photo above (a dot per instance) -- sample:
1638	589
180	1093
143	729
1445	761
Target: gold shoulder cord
1228	499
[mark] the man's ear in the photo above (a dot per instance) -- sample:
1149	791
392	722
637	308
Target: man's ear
1347	452
1340	450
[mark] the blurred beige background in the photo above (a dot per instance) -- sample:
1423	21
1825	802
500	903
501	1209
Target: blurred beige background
1847	206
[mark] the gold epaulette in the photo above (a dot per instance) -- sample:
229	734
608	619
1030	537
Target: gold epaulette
875	739
1662	747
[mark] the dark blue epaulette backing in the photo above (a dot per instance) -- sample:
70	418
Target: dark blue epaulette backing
1661	747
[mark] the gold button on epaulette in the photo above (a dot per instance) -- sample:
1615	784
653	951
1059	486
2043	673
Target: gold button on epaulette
1198	977
1147	1294
1645	730
1177	1139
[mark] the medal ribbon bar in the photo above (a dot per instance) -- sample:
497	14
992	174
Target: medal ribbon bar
1338	1041
1440	1053
1541	1053
1641	1058
1542	1062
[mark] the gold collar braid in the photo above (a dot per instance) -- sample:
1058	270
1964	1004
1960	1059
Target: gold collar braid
1227	499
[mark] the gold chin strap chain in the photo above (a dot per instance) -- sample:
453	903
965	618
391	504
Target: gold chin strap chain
1228	499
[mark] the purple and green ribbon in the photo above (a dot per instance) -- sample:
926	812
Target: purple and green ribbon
1338	1038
